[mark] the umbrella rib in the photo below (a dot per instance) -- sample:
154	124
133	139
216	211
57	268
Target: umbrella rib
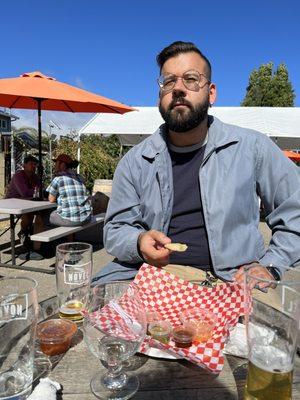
14	102
112	108
67	105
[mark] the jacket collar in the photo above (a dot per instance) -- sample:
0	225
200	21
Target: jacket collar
219	135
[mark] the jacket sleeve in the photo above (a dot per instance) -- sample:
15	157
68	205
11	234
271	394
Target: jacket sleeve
123	222
279	186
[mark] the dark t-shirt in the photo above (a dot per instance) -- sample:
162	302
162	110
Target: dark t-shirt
187	222
22	186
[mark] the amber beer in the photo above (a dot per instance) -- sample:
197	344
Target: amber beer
73	277
263	384
71	310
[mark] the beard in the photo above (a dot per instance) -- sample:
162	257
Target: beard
183	120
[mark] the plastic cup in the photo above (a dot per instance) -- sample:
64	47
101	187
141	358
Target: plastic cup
160	330
201	320
183	337
55	336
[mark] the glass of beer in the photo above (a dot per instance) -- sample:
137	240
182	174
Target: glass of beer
272	312
74	266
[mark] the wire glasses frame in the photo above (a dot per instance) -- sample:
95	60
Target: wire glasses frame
192	80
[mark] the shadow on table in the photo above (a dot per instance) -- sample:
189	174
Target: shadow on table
181	380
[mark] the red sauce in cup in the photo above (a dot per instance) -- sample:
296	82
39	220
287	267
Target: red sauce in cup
55	336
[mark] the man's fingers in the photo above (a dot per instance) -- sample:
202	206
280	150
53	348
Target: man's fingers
159	237
257	273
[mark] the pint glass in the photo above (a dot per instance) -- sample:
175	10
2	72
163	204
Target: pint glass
272	325
73	278
18	320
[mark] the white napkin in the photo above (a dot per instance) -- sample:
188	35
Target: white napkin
45	390
237	343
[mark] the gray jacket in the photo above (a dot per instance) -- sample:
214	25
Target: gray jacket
239	166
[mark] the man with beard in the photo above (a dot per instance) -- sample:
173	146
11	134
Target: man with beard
197	181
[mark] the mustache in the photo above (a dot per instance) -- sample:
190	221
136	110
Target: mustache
181	100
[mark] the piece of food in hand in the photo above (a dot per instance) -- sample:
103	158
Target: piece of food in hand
176	246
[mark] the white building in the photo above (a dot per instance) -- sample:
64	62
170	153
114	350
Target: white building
281	124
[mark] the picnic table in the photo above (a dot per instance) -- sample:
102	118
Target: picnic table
17	207
160	379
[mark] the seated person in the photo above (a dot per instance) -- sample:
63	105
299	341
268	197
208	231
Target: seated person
23	185
69	191
197	181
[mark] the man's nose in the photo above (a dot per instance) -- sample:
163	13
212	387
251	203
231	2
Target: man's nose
179	88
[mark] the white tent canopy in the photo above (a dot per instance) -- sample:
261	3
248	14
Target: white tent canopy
282	124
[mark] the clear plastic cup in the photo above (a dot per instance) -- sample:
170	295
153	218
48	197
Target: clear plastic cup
201	320
160	330
55	336
183	337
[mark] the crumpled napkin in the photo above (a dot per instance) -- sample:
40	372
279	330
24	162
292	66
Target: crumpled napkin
237	343
45	390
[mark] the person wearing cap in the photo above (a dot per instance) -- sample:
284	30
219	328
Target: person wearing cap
69	191
23	185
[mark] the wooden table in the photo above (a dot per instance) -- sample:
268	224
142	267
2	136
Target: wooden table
17	207
159	379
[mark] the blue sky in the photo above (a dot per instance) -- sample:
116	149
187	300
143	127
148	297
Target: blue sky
110	47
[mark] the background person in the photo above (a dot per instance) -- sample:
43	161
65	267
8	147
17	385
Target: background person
197	181
69	191
23	185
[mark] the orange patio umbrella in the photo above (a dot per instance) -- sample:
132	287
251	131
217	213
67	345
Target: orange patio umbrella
35	90
292	155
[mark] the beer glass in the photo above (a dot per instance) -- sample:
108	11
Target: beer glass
272	325
18	320
73	278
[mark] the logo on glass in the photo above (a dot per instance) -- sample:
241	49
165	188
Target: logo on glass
75	274
13	307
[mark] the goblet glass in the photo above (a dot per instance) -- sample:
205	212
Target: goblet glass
114	327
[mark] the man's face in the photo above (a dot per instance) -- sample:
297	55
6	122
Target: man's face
30	167
58	165
181	108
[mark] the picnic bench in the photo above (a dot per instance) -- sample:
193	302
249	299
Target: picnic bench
4	217
61	231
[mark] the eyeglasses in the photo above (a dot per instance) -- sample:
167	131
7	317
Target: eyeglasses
192	80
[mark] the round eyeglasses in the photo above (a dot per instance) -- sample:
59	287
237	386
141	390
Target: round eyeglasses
192	80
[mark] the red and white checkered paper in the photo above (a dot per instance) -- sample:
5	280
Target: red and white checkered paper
170	296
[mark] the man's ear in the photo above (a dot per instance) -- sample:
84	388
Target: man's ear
212	93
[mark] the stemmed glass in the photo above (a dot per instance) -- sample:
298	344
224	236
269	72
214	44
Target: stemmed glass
114	327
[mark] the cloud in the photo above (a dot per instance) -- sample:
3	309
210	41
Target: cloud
79	83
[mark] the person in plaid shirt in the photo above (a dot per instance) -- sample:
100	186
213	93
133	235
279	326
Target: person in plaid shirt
69	191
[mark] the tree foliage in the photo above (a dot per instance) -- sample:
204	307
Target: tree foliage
269	88
98	156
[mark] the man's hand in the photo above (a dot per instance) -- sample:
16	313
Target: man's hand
151	247
258	271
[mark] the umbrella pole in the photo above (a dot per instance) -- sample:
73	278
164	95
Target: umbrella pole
40	171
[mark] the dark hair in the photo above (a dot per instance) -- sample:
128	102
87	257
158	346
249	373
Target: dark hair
27	159
176	48
73	164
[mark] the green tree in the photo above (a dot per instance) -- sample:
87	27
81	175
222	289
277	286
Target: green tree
269	88
98	156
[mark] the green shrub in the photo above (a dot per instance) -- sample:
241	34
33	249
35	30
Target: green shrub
98	156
